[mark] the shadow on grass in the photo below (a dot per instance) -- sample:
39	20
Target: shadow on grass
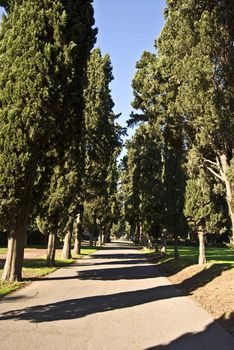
40	263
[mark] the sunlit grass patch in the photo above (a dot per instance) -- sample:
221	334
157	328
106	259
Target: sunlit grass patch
86	250
36	268
189	256
8	287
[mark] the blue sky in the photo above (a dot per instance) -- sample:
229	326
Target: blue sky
126	29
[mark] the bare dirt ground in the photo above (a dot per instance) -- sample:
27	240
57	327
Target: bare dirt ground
212	286
30	253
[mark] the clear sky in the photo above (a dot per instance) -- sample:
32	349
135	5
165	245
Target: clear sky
126	29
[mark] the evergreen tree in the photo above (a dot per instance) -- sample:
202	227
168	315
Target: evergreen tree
102	142
154	95
198	41
142	184
202	207
39	48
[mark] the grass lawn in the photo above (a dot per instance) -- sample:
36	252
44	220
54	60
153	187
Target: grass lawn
189	256
36	268
3	250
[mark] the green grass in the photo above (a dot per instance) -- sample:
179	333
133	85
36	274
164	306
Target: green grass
8	287
87	250
36	268
33	268
189	256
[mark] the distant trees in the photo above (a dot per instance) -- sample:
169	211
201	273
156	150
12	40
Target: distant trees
102	146
142	184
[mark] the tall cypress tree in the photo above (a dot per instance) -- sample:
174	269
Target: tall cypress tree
154	95
39	49
102	140
198	41
62	200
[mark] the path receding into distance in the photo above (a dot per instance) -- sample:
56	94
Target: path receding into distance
114	299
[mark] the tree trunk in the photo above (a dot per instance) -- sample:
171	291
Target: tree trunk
137	233
91	239
15	256
107	237
132	232
76	247
101	236
51	248
79	236
229	189
79	229
66	253
16	241
141	234
202	255
163	243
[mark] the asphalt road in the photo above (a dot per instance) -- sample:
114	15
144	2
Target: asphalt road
113	300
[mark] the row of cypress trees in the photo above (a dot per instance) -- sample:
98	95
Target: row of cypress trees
55	120
185	98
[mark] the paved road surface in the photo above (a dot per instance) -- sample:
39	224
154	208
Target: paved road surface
113	300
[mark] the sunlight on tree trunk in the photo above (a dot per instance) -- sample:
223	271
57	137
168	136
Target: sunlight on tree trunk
229	190
202	256
51	249
66	253
164	243
15	256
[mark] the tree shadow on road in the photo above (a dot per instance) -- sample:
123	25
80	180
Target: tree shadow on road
212	338
118	256
208	339
109	274
77	308
120	273
117	262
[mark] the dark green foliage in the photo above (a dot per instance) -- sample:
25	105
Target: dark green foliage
142	182
44	48
198	41
27	88
102	143
204	207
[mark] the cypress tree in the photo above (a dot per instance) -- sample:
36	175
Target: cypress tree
198	41
102	142
142	184
154	96
37	51
203	210
26	90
